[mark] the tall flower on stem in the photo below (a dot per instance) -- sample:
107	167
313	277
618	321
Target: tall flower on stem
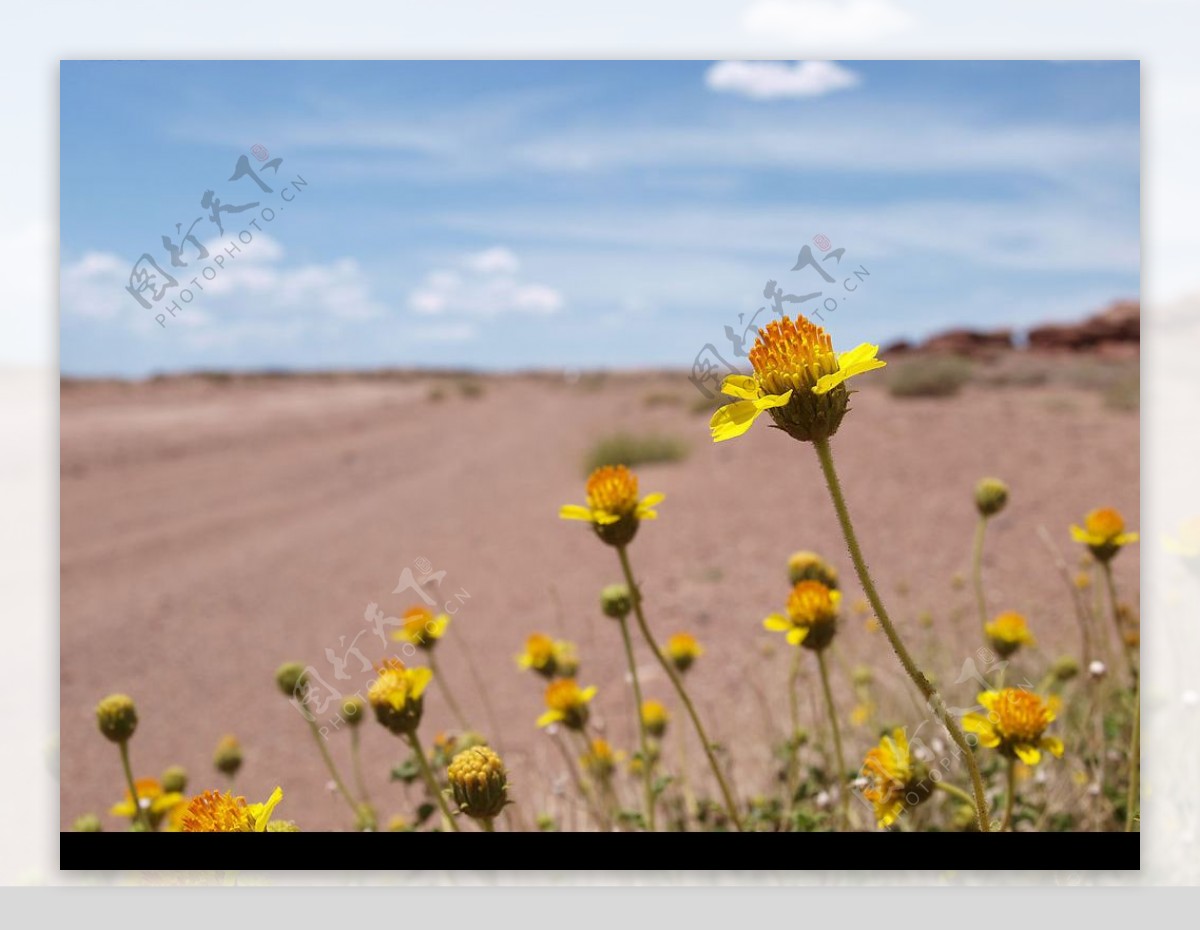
422	630
1015	725
811	622
615	512
1104	533
117	718
397	697
293	683
801	382
991	495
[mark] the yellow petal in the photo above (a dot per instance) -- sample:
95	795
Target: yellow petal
574	512
987	698
777	624
1053	745
587	693
604	519
123	809
796	635
1126	538
419	680
1080	535
1027	753
854	362
733	419
438	628
982	728
886	815
653	500
742	386
549	717
264	810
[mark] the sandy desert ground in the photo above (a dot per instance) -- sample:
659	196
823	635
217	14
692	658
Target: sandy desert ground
212	528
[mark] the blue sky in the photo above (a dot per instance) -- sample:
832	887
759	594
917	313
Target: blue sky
583	214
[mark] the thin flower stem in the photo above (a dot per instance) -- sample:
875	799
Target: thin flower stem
843	794
477	679
825	455
446	692
1010	797
333	772
955	791
488	826
645	744
356	765
977	572
794	739
593	803
1131	799
636	596
140	815
1135	762
430	782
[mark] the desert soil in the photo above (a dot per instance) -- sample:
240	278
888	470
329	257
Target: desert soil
212	529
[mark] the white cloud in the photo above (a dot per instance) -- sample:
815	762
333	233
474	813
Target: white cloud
253	284
823	21
770	80
483	284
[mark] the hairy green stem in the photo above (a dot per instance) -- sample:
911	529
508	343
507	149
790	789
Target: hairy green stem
431	783
1010	797
140	815
934	699
843	794
636	596
647	771
977	573
333	772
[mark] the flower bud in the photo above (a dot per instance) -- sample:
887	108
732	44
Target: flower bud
479	782
616	601
174	780
117	717
289	677
228	756
991	494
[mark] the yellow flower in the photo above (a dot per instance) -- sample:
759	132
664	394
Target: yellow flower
567	703
1015	724
797	377
811	619
214	812
1103	532
613	508
396	695
421	628
600	761
566	659
151	797
862	713
895	782
1007	633
479	782
683	650
654	717
539	655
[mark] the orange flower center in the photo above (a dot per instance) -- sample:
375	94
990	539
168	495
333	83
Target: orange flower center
812	604
563	695
1105	522
1020	715
791	355
613	489
214	812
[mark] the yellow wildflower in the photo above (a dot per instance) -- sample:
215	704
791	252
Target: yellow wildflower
152	798
895	781
539	655
396	695
654	717
808	566
1007	633
1103	532
683	650
600	761
1015	724
567	704
613	508
421	628
797	378
479	782
217	812
811	620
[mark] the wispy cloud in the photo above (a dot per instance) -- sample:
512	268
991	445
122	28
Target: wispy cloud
772	80
483	284
256	285
822	21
